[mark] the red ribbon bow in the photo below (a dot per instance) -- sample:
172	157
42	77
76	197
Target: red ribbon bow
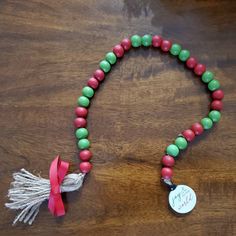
57	172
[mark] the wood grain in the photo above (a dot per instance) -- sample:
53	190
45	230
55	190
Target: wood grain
48	49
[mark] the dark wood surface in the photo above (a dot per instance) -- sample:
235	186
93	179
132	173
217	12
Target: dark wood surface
48	50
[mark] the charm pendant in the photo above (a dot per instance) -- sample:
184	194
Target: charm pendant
182	199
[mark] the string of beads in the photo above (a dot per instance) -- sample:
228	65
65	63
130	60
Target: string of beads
187	136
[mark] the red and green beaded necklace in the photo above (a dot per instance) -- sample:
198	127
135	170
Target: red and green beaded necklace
29	191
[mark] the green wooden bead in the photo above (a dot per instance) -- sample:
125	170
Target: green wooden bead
206	123
146	40
105	66
136	41
215	115
88	92
83	143
214	85
83	101
184	55
181	143
207	76
81	133
111	58
175	49
172	150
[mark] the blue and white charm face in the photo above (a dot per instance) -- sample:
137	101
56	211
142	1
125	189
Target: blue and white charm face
182	199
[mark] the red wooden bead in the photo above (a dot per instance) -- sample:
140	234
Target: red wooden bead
156	41
126	44
85	166
81	112
218	94
166	173
191	62
168	160
80	122
199	69
188	134
93	83
99	75
85	155
217	105
118	50
197	128
165	45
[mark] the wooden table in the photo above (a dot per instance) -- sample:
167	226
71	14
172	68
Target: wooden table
48	50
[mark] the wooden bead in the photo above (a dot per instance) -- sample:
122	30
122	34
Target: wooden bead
191	62
146	40
83	101
165	45
181	143
199	69
80	122
81	133
218	95
217	105
83	144
188	134
156	41
168	161
85	155
166	173
197	128
136	41
184	55
81	112
126	44
119	51
215	116
85	167
213	85
99	75
175	49
207	123
105	66
111	58
88	92
207	76
93	83
172	150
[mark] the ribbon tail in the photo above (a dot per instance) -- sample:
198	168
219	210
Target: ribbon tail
58	170
56	206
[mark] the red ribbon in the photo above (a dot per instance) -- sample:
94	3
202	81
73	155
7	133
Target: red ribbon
57	172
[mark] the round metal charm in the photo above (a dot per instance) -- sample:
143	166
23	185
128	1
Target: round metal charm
182	199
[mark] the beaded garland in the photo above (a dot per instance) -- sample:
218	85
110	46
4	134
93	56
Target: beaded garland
181	205
188	135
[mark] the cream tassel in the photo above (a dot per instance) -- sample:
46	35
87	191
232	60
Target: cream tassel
29	191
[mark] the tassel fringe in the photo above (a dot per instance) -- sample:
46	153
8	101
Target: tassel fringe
29	191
